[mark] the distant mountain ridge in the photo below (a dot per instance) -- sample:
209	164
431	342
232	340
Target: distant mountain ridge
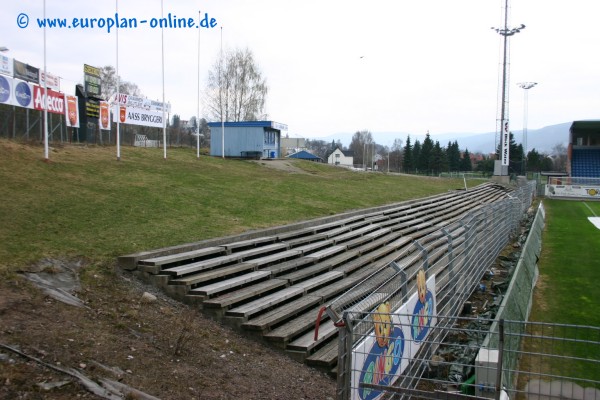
543	139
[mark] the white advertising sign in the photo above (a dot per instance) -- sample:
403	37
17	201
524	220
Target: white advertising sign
505	150
383	355
143	103
138	116
6	66
53	81
580	191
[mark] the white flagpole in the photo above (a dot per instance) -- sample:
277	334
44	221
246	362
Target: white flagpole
162	37
45	94
198	114
221	91
117	99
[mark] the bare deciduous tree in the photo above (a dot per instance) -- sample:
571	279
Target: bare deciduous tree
108	74
236	88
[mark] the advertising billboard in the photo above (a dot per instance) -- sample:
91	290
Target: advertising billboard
22	93
6	89
6	65
56	100
72	114
53	81
104	115
138	116
26	72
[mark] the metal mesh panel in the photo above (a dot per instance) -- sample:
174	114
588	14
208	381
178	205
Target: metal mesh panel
551	366
458	255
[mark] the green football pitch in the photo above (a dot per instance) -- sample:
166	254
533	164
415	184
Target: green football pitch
569	264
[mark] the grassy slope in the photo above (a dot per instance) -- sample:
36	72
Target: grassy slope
85	203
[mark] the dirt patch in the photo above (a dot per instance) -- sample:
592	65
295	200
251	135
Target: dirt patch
281	165
150	343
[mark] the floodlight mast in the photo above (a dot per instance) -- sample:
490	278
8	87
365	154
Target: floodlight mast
526	86
505	32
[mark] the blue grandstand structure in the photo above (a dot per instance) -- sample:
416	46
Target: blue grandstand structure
584	149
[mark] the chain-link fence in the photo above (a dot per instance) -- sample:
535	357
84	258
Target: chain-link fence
433	278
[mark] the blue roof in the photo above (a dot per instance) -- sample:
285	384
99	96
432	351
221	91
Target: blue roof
250	124
305	155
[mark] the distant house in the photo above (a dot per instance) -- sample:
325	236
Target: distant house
341	157
305	155
246	139
291	144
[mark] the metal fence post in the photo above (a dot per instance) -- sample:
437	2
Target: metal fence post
500	357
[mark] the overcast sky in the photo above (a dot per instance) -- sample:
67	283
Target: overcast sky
342	66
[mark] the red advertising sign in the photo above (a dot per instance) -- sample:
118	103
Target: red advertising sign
72	115
104	115
56	100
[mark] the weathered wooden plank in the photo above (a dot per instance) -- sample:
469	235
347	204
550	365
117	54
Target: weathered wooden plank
249	292
263	303
286	332
302	240
326	356
328	252
278	268
232	247
314	246
271	258
214	262
306	342
355	233
280	314
306	272
214	288
209	275
337	288
320	280
187	255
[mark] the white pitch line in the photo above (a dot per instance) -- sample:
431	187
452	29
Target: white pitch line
589	208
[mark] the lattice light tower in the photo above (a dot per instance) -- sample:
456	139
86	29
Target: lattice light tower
502	128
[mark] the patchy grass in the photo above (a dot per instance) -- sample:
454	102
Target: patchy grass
84	203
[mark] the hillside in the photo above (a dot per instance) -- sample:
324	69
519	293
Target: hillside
64	223
542	139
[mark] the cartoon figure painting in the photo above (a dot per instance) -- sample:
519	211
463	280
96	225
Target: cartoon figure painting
423	311
382	361
382	322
